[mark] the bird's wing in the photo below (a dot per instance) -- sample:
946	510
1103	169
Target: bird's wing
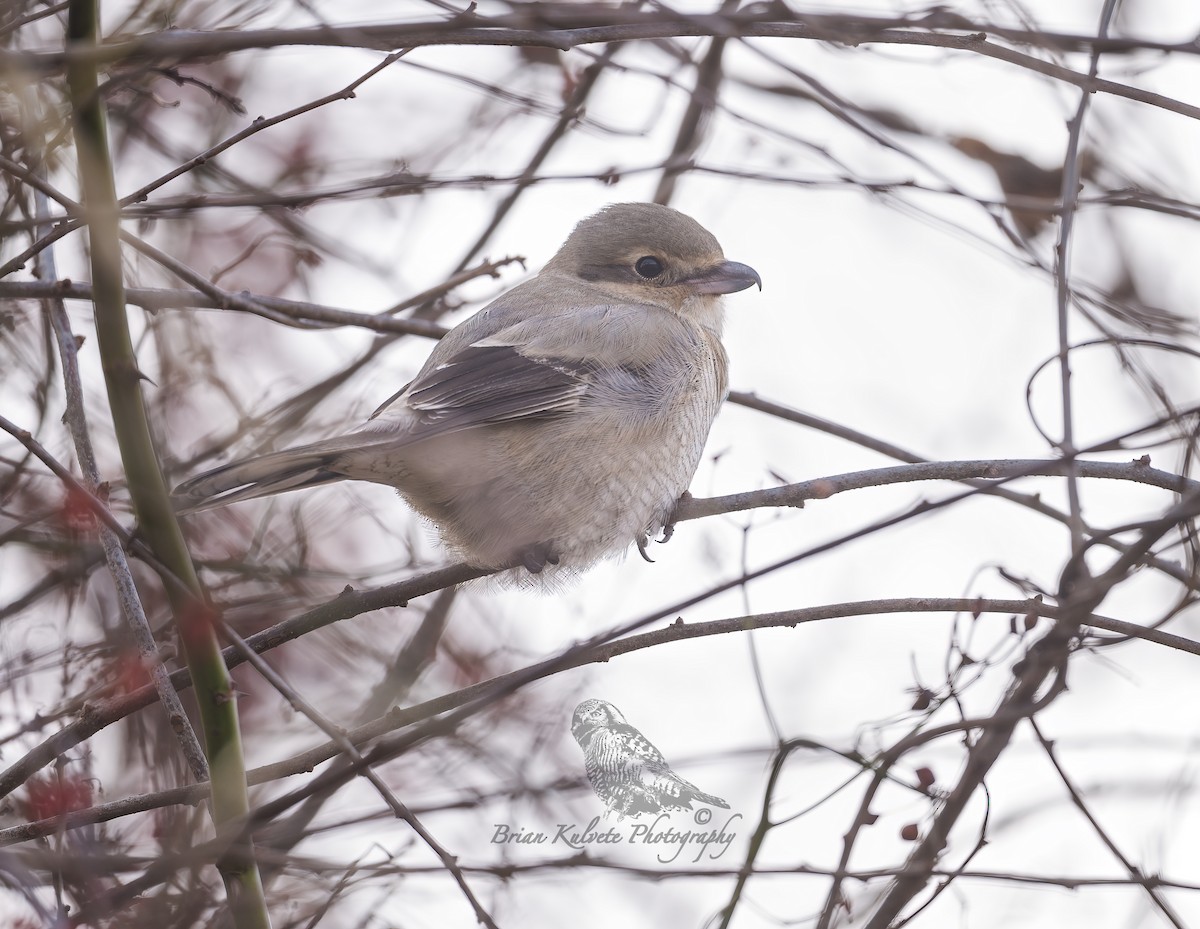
532	369
641	752
493	382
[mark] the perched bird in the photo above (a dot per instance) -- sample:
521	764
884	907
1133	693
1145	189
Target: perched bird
559	423
627	772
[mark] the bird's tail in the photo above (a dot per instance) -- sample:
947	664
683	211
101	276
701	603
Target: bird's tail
709	799
305	466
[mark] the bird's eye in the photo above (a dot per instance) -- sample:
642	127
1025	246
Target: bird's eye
648	267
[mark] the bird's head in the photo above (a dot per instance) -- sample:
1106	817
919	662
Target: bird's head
647	253
591	715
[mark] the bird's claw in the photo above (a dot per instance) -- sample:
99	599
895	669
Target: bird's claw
537	556
669	528
641	544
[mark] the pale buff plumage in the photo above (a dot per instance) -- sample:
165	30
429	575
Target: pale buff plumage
561	422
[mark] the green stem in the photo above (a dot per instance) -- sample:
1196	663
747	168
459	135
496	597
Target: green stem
151	501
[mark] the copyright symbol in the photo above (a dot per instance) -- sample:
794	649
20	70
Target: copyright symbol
702	816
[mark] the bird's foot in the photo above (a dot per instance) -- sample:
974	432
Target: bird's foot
537	556
669	528
641	544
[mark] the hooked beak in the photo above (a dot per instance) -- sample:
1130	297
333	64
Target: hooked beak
728	277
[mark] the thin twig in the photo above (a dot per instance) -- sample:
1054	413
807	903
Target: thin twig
350	750
1044	662
1135	873
258	125
152	503
1069	195
796	495
104	713
112	543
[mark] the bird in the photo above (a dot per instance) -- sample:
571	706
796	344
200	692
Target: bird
625	769
561	422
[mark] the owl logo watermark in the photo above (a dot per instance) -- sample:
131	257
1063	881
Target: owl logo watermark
624	768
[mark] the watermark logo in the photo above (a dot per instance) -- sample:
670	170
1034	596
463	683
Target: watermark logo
633	779
625	769
670	842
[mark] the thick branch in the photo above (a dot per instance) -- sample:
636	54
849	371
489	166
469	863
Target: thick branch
678	631
999	470
156	516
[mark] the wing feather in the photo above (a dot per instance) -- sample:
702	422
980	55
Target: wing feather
483	384
533	369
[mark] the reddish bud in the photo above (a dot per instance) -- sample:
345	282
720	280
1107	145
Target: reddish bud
196	623
56	795
910	832
131	673
76	512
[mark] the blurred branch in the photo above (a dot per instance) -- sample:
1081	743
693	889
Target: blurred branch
693	125
1150	885
282	310
565	26
258	125
350	751
1069	195
61	228
352	603
492	692
156	517
222	298
102	713
278	309
482	269
583	860
754	847
402	673
1045	662
83	494
111	541
680	631
17	21
405	183
1031	501
1144	200
588	653
40	184
78	568
571	111
395	184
